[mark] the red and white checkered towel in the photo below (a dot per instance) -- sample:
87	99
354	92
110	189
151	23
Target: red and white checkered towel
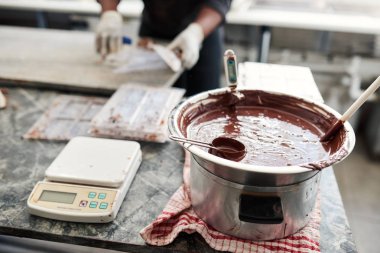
178	216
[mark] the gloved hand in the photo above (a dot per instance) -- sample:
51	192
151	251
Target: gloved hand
109	33
188	43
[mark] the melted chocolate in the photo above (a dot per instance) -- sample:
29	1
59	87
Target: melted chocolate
277	130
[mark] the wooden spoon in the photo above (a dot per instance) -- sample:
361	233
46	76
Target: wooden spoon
350	111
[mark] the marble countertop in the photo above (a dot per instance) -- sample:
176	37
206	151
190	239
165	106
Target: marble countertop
23	163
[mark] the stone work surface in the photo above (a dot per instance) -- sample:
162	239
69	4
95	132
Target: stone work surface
66	60
23	163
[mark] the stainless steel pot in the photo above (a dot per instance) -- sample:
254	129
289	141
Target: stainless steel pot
244	200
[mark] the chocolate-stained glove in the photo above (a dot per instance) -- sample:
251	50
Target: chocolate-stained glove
109	33
187	44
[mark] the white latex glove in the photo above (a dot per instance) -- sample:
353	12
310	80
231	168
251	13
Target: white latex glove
188	43
109	33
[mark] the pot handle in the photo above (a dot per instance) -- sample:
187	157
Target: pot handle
260	209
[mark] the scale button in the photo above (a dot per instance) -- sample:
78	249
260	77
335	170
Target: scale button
103	205
92	195
102	195
93	204
83	203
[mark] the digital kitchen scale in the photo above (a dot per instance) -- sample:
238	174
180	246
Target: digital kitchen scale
88	180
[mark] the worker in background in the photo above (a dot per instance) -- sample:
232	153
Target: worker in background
194	28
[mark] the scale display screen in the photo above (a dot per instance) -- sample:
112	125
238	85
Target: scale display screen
59	197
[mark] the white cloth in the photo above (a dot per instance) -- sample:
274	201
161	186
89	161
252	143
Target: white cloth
3	101
134	59
188	43
109	33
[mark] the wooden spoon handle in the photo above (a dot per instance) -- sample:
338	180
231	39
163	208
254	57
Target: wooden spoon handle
363	97
350	111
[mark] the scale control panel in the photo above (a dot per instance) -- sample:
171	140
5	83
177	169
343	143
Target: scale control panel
70	202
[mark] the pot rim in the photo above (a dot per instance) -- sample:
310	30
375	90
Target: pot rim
348	144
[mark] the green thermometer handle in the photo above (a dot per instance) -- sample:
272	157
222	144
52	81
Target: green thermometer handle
230	67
